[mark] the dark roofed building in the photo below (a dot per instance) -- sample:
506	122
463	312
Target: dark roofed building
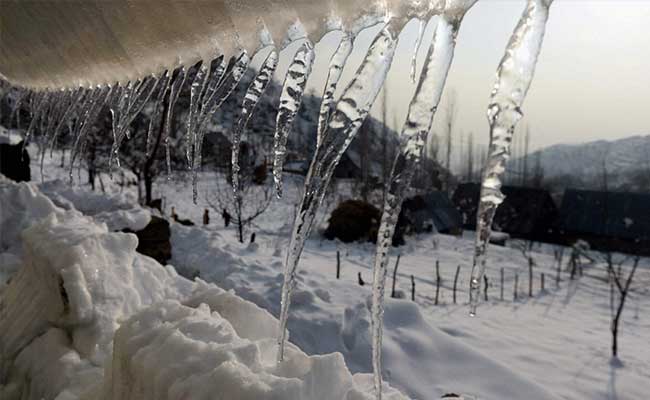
432	210
526	213
616	221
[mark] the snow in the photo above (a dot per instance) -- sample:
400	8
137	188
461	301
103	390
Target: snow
10	136
86	317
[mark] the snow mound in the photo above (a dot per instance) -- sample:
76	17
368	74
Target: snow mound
218	346
85	317
117	210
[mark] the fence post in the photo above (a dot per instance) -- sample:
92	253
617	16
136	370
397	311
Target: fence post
557	275
338	264
392	293
543	282
516	284
501	283
485	287
456	282
412	288
437	281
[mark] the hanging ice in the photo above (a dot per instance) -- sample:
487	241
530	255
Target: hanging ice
351	111
163	88
413	138
252	97
218	91
416	49
95	101
196	92
290	99
127	104
514	76
333	76
176	86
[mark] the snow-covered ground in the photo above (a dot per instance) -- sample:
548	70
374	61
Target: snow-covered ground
553	345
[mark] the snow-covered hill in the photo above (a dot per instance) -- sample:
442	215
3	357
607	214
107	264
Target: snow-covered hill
586	161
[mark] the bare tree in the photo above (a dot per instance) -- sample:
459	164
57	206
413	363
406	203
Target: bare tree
450	115
619	289
254	196
470	157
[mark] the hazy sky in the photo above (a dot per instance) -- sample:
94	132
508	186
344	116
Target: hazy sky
592	79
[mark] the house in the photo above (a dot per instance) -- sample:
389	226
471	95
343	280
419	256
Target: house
432	210
526	213
608	221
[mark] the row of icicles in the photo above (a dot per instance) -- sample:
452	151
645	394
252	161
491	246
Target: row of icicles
338	122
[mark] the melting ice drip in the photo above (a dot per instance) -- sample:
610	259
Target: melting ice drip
338	122
514	76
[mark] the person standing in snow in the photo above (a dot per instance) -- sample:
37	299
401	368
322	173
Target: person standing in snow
226	217
206	217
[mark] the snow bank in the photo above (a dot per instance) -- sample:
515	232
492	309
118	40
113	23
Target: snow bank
85	317
218	346
117	210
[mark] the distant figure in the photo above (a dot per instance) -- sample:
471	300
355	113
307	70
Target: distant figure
206	217
226	217
253	237
174	215
361	282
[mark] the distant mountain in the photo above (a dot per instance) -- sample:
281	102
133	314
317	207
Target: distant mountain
624	159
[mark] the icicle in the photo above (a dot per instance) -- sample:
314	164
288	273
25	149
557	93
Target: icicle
416	48
163	87
514	76
15	113
210	106
196	92
252	97
413	138
58	108
177	85
40	104
95	101
290	100
128	103
333	76
351	110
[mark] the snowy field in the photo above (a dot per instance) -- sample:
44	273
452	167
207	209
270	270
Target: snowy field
554	345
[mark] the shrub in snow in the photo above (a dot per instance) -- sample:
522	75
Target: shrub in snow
355	220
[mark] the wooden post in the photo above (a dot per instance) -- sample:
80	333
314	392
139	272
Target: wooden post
392	293
338	264
412	288
437	281
514	295
530	277
501	283
542	281
557	274
485	287
456	281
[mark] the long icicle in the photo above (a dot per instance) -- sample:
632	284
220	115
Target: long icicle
290	100
252	97
196	93
514	76
95	102
351	110
158	107
337	63
128	103
209	107
176	87
413	138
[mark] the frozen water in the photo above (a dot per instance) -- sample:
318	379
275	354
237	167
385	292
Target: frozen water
333	76
176	86
290	99
252	97
514	76
351	111
414	135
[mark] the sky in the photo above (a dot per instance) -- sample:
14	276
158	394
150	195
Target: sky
592	81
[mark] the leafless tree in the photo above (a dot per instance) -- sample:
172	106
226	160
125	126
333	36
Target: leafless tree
253	200
619	290
450	115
